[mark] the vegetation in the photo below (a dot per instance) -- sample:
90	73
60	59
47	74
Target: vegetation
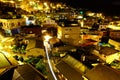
115	64
19	44
106	45
18	49
36	62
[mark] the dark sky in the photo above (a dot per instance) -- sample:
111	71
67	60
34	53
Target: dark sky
111	7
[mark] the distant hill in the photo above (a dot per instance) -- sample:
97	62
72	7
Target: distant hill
109	7
7	11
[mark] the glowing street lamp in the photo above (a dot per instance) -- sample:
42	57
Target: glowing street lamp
47	37
45	4
47	50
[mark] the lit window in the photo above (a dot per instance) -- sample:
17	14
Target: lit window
43	31
67	36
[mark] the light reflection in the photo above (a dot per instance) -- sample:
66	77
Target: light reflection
48	59
47	50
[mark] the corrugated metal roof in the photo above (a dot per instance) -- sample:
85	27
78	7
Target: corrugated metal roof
107	51
4	61
103	72
7	74
68	71
27	72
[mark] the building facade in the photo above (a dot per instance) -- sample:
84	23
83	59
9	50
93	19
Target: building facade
9	25
69	33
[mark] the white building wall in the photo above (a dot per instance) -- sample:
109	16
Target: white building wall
12	23
69	34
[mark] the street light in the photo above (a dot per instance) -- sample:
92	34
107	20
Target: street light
47	37
47	50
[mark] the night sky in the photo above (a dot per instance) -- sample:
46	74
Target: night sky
110	7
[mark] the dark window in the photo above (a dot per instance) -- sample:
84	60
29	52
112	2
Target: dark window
1	24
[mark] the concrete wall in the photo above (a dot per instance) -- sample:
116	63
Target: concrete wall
12	23
69	34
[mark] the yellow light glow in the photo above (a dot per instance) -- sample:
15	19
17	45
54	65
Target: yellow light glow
91	14
111	58
1	47
82	23
9	1
12	2
113	27
45	4
47	37
58	5
40	7
31	2
80	17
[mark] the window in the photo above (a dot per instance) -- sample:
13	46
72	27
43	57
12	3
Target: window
67	36
1	24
